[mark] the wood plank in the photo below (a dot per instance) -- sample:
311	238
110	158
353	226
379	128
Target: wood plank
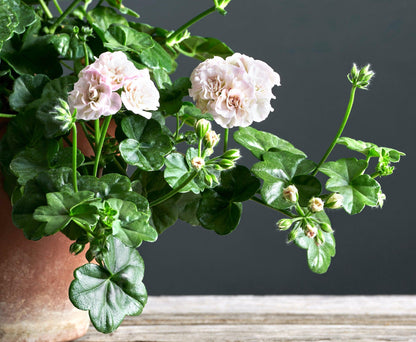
269	318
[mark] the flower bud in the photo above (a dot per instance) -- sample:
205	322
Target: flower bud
310	231
292	235
220	6
232	154
211	139
380	199
202	126
226	164
76	248
360	77
316	204
284	224
290	193
334	201
319	238
197	163
326	227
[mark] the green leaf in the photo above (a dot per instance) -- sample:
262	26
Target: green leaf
15	16
258	142
218	213
157	58
220	209
190	114
131	226
34	54
34	196
171	97
28	163
177	171
123	9
26	89
125	38
370	149
57	89
110	293
189	204
103	17
147	144
278	170
238	184
346	177
204	48
57	214
308	187
152	185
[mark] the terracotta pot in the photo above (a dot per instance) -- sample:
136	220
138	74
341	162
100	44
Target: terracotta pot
34	281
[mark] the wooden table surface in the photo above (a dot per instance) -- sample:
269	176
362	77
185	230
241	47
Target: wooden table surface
268	318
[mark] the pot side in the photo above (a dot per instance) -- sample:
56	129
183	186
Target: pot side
34	282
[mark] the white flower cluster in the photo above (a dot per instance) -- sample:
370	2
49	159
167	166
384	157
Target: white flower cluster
236	91
95	94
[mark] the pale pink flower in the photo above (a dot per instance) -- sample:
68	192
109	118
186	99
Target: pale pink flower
92	96
140	95
236	91
115	68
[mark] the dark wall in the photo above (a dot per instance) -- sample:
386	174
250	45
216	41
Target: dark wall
312	45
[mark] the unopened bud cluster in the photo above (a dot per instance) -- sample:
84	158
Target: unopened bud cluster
220	6
62	113
197	163
360	78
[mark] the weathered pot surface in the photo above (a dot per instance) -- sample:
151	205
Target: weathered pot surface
34	281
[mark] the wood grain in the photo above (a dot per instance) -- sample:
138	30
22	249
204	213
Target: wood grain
269	318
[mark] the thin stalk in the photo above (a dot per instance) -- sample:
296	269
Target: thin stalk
7	115
175	34
122	170
66	65
177	126
64	15
300	210
45	9
199	147
283	211
104	129
226	132
74	156
97	133
57	6
87	60
340	130
175	191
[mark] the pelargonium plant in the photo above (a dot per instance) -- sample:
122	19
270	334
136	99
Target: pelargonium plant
94	70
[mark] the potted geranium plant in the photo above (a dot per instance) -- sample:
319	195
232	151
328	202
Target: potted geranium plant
95	74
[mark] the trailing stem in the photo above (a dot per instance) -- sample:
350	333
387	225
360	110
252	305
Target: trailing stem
99	148
340	130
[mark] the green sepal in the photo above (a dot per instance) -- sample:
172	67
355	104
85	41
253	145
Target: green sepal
111	292
259	142
346	177
123	9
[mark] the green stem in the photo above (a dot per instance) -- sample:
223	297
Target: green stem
177	126
375	174
64	15
341	128
57	6
226	132
122	170
97	133
87	60
99	148
7	115
74	156
175	34
175	191
66	65
200	147
300	210
45	9
283	211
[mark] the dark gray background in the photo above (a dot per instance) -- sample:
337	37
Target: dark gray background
312	45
